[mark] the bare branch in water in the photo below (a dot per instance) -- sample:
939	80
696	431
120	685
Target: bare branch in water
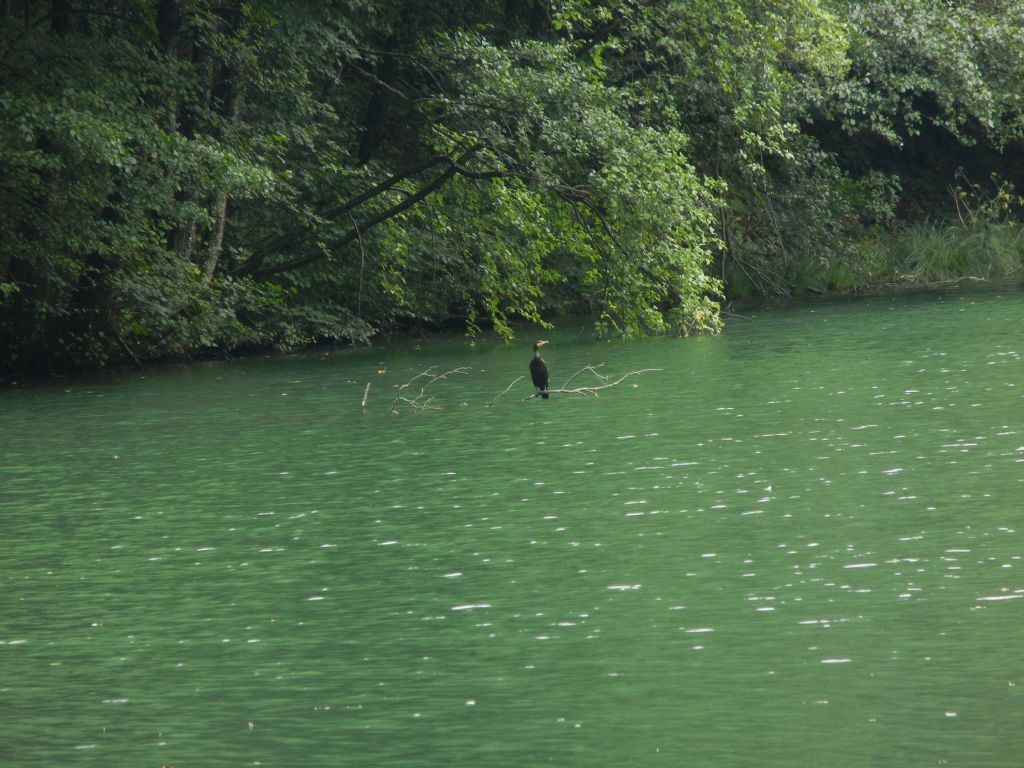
604	382
516	381
421	402
584	369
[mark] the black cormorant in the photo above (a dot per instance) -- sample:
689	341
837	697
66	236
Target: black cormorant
539	371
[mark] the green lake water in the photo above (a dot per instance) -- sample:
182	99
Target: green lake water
797	544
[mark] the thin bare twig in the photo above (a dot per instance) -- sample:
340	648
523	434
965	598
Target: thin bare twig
505	392
377	81
606	382
591	368
421	402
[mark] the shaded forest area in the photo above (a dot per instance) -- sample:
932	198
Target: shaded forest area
193	176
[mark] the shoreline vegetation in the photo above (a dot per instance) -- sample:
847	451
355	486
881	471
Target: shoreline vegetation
183	179
732	309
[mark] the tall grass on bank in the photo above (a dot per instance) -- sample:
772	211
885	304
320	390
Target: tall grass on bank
932	253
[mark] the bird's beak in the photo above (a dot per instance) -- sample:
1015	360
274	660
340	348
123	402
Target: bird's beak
541	343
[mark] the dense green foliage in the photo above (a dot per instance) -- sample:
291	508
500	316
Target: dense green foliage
181	175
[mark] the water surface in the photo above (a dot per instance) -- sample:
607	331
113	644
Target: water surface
796	544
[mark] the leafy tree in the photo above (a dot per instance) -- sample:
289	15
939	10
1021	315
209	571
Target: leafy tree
99	173
180	176
933	91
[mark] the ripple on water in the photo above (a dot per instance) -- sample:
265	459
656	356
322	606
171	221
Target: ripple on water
869	509
999	598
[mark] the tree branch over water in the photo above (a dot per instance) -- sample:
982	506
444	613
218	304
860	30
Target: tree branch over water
255	265
296	235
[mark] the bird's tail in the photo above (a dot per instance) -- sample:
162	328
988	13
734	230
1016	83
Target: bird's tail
544	393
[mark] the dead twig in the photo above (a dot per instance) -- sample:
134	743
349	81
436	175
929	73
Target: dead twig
423	399
605	382
584	369
421	402
505	392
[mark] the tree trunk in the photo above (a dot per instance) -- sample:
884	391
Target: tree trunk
528	14
216	244
168	25
231	90
232	107
5	19
185	238
60	17
375	119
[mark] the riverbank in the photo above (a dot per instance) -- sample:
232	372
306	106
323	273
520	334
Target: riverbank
733	309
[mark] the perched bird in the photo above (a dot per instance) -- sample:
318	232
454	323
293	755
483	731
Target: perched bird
539	371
